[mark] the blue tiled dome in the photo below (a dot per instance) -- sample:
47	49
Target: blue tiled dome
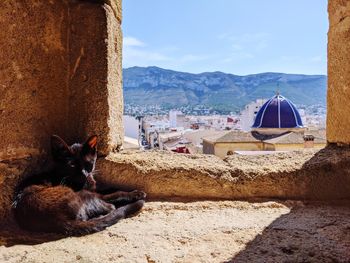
278	112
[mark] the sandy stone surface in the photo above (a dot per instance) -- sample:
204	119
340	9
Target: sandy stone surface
225	231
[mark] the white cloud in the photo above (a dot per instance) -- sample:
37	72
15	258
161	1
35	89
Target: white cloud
140	57
251	38
236	56
138	53
237	47
316	59
224	36
192	58
290	58
254	42
143	54
132	42
300	59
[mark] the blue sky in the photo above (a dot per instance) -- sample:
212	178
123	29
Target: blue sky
234	36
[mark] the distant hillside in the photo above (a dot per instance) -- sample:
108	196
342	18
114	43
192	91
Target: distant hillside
152	85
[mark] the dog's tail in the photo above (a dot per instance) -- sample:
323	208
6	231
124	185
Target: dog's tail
78	228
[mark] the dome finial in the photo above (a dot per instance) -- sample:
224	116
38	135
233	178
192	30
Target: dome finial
278	89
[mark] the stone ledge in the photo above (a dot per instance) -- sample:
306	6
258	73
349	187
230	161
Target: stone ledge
314	175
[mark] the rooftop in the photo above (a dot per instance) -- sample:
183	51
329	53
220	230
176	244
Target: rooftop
285	138
294	137
232	136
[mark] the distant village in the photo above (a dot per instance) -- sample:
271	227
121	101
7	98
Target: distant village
264	126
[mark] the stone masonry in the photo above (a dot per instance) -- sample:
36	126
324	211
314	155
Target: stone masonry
60	73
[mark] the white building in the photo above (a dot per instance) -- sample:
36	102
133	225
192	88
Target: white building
176	119
152	128
131	126
247	116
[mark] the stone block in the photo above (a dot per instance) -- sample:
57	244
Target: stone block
95	80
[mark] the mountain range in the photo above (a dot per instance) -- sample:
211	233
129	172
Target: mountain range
218	90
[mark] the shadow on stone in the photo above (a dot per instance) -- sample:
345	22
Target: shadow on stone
11	234
318	232
310	233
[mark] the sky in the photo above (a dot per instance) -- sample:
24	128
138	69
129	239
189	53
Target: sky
234	36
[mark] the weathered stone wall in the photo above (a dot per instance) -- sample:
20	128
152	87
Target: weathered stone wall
338	107
96	100
33	75
60	73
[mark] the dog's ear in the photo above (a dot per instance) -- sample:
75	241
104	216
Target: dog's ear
90	146
59	148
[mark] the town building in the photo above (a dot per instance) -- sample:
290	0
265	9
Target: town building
247	115
131	126
176	119
277	127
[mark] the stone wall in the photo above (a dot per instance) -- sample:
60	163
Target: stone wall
338	107
60	73
96	98
33	75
